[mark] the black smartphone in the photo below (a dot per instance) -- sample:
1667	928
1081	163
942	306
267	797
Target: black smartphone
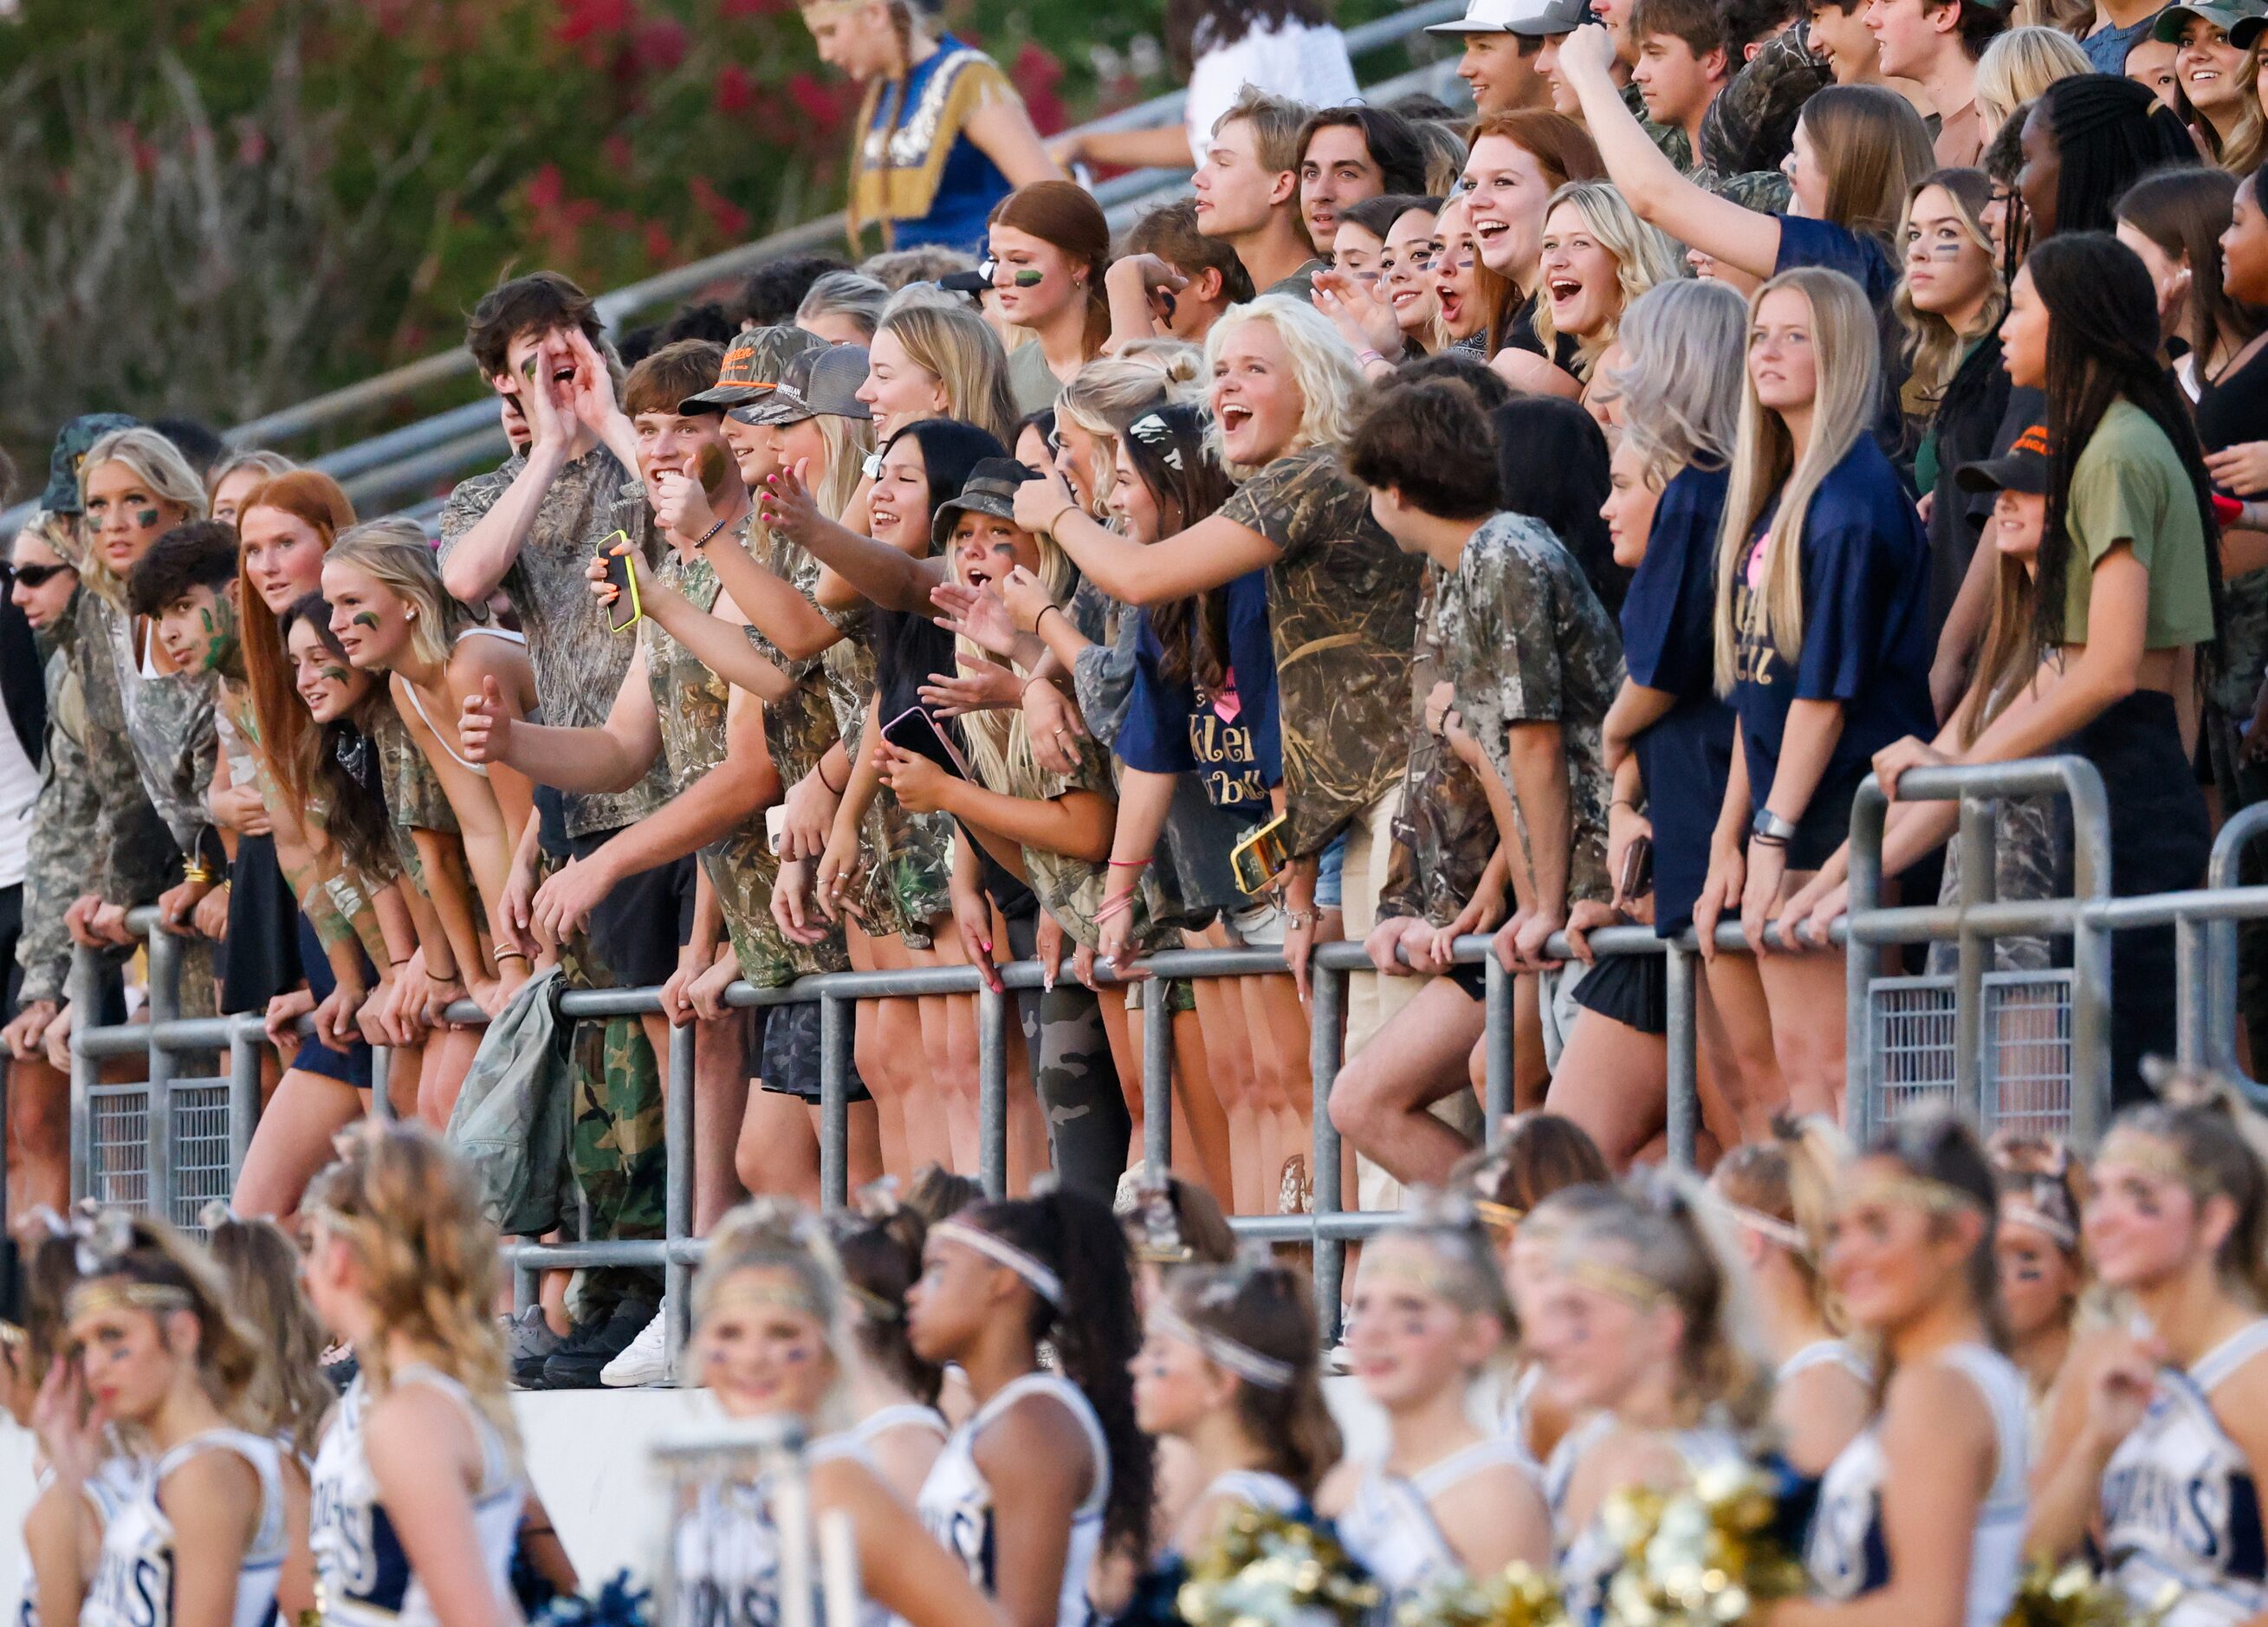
1637	879
914	730
625	612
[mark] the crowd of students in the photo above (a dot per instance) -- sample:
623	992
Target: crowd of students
1511	525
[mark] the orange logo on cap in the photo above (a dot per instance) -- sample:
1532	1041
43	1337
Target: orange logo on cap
2033	440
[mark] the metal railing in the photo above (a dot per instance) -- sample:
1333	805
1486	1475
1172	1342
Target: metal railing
410	459
142	1163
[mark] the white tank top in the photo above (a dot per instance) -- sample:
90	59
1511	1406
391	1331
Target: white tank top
904	1414
1589	1557
447	740
1500	1402
1847	1554
726	1549
1388	1524
106	1492
1559	1467
1826	1352
133	1579
2180	1502
956	1504
363	1577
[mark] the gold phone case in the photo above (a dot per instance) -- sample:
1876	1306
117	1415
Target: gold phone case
1257	857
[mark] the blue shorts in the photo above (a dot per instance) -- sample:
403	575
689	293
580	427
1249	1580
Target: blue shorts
352	1064
1328	869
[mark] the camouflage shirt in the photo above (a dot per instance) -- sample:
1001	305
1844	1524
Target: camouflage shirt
1750	126
1343	610
1525	640
1671	138
55	869
135	857
578	662
1443	832
169	725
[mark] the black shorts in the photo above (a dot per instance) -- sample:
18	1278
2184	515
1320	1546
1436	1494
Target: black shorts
788	1059
1632	989
353	1064
260	958
637	929
11	928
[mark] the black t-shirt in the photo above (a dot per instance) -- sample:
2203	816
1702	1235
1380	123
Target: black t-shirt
2233	409
1967	428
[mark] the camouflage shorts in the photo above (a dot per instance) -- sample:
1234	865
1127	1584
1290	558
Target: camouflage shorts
789	1061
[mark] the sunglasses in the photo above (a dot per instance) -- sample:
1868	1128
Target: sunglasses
34	576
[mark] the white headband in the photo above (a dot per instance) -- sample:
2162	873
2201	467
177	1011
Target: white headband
1246	1363
1000	1251
2015	1211
1769	1227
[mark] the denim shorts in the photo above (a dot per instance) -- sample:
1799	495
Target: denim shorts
1329	870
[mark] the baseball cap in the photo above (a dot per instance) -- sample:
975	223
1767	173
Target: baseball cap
753	364
2247	30
1552	18
75	441
990	489
2228	18
2022	468
1487	16
822	382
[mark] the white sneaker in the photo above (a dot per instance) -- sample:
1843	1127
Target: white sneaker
641	1364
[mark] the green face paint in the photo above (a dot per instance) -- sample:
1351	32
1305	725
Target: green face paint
219	620
366	618
340	675
145	517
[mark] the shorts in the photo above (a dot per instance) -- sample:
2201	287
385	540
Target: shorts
1632	989
352	1064
1558	997
787	1062
637	929
1329	895
1260	924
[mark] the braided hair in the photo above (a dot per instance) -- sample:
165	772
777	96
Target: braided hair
2107	130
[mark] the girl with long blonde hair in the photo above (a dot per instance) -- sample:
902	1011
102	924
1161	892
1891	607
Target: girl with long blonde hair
1597	258
1950	296
419	1481
1821	640
937	362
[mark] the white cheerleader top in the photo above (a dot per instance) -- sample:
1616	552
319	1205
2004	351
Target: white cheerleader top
364	1578
1589	1558
134	1578
956	1502
2180	1502
1847	1553
1389	1523
726	1550
106	1492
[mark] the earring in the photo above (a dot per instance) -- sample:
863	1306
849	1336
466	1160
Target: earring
410	614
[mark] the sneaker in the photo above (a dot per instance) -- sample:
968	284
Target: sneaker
577	1363
528	1369
644	1362
527	1336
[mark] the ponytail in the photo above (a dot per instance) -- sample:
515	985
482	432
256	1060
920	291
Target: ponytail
882	1258
1258	1322
1784	1189
2220	1147
288	1398
137	1261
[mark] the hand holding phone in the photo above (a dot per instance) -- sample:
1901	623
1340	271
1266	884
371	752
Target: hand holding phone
623	611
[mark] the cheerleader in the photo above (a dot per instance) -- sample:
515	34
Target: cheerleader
1921	1518
773	1336
1631	1329
2043	1267
1050	1469
417	1481
1778	1193
1430	1317
893	1392
201	1539
1171	1222
63	1532
2166	1426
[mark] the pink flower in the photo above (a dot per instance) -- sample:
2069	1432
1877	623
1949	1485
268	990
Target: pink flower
735	90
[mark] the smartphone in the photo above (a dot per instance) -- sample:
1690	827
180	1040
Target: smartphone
1258	854
1636	877
625	612
775	828
914	730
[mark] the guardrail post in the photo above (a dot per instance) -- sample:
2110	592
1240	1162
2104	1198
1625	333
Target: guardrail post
992	1090
1864	887
2208	952
1156	1078
243	1094
834	1103
1974	845
381	1083
164	956
1502	1045
1326	1010
82	991
1684	1104
677	1181
2090	957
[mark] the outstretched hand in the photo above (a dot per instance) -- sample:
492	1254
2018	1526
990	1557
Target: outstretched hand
788	505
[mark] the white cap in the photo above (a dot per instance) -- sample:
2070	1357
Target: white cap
1484	17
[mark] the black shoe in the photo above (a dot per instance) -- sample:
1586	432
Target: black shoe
528	1370
577	1363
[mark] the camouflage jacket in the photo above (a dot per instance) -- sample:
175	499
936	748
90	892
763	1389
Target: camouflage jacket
135	857
169	728
1444	833
1751	124
1671	139
1342	613
578	661
1525	640
55	869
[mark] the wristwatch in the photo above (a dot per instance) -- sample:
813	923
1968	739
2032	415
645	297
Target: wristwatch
1769	827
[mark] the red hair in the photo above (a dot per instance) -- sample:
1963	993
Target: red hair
315	500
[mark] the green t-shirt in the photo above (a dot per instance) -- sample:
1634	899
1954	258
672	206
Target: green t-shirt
2130	487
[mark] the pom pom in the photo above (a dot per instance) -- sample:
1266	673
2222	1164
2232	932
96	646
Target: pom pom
1702	1556
1263	1568
1519	1595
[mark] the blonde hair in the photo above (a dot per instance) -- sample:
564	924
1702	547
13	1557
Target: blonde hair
405	566
57	531
1181	361
848	441
1644	256
778	1235
2021	63
1323	365
1102	398
288	1397
268	464
1680	376
158	464
1933	346
1846	363
960	349
1791	1180
410	1211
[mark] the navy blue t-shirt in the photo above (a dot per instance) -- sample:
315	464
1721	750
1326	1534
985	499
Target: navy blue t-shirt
1168	730
1669	642
1866	629
1856	254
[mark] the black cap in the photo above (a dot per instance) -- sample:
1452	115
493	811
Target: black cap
2022	468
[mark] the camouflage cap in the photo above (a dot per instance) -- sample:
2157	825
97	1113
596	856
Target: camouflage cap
754	362
77	439
990	490
821	382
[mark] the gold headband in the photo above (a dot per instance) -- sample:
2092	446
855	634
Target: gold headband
1632	1288
882	1308
1934	1196
767	1296
1497	1217
1423	1274
111	1294
2151	1155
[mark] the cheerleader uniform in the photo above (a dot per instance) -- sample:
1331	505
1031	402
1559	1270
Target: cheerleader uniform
134	1578
1847	1554
1389	1523
363	1576
1590	1558
956	1502
727	1551
905	1415
1826	1352
2180	1504
1500	1402
106	1492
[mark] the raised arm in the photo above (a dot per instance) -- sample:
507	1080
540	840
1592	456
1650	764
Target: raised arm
1211	552
1002	131
894	580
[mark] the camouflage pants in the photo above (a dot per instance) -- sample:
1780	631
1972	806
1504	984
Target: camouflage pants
1087	1123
